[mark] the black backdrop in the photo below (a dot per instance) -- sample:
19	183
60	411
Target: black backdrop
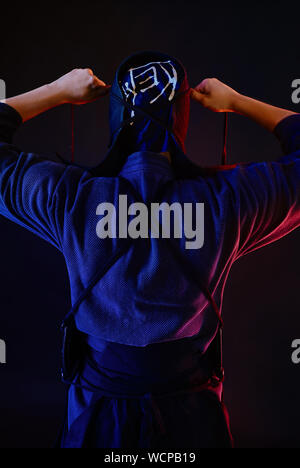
252	48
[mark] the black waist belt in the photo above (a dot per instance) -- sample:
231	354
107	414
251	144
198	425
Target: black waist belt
161	369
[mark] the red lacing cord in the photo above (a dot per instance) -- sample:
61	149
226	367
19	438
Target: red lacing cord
72	133
225	132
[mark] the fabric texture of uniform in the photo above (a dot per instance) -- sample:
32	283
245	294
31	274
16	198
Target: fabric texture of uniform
145	300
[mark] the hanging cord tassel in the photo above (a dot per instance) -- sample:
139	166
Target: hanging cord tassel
72	133
225	132
61	158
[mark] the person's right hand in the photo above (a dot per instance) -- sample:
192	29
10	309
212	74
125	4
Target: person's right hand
80	86
214	95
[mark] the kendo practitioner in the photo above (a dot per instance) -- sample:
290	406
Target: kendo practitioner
142	340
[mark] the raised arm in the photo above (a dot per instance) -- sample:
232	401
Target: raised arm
79	86
260	200
219	97
33	189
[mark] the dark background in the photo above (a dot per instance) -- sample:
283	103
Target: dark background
254	49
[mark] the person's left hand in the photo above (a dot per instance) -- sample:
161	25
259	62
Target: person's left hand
80	86
215	95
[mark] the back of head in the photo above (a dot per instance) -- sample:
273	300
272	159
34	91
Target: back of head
151	84
149	111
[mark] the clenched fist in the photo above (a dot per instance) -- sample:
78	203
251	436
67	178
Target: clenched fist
214	95
80	86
